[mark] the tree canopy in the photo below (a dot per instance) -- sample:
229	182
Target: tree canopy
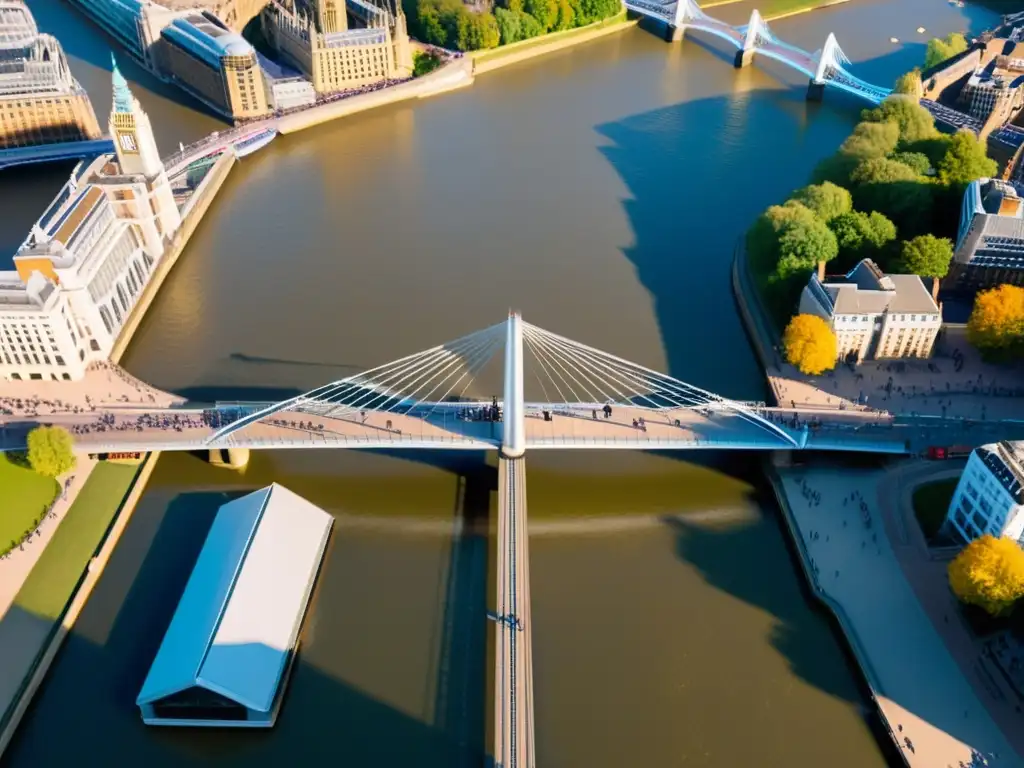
916	161
941	48
989	573
50	451
965	160
862	236
871	140
914	122
810	344
926	255
826	200
909	83
996	324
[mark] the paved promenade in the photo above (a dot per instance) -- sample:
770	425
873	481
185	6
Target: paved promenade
929	704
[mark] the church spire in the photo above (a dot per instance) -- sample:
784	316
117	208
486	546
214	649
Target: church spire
122	94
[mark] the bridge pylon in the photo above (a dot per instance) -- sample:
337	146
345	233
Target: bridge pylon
827	60
513	440
754	29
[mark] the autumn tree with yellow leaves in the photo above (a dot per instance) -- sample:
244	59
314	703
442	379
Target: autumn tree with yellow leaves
989	573
996	325
810	344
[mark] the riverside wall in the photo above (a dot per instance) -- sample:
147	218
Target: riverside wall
505	55
10	719
195	209
760	330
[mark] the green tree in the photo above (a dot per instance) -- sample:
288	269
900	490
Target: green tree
544	11
810	344
939	49
862	236
871	140
965	160
918	161
996	324
914	121
882	170
509	27
428	24
50	451
895	190
989	572
826	200
909	83
803	245
926	255
424	62
566	16
477	31
529	27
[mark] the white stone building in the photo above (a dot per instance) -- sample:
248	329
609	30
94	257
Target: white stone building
874	315
84	266
990	495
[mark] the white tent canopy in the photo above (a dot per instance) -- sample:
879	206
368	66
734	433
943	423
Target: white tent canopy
237	624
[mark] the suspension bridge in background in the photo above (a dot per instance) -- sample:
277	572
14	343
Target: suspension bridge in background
824	67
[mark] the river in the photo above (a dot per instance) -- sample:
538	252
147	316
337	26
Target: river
600	191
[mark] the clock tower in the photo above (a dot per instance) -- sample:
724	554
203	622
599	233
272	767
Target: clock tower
136	148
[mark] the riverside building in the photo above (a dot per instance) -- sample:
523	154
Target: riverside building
990	241
41	102
85	264
874	315
316	40
231	644
990	495
219	67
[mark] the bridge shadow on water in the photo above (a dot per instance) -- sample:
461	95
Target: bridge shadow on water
89	694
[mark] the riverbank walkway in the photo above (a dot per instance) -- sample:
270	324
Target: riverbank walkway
932	709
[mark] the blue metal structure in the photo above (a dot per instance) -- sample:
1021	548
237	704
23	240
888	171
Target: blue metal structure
826	66
54	153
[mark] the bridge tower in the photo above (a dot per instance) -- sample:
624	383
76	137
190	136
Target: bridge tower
513	442
826	61
675	29
754	29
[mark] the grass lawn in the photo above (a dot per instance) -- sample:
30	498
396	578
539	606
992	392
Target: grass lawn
23	497
51	582
775	8
931	502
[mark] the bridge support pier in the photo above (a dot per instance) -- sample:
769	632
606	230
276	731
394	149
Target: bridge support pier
232	458
815	91
674	34
743	58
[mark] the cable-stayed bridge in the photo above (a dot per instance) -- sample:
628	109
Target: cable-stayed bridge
824	67
582	397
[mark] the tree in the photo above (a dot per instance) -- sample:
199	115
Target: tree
802	245
544	11
509	28
861	235
965	160
871	140
926	255
477	31
939	49
896	190
50	451
810	344
909	83
827	200
989	572
914	121
996	324
566	16
763	236
916	161
425	62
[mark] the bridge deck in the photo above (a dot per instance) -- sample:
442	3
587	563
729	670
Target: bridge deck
513	650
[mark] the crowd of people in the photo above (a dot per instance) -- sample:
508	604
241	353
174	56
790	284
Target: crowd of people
177	422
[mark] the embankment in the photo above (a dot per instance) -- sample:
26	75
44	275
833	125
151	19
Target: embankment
194	211
454	74
503	56
857	651
10	719
758	325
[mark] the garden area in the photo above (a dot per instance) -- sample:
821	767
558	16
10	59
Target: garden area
26	497
55	575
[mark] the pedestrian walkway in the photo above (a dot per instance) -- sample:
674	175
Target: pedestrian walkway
931	708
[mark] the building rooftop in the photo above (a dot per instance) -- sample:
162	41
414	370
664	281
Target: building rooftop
866	290
206	37
17	27
238	620
1005	460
